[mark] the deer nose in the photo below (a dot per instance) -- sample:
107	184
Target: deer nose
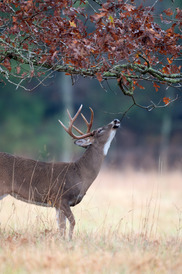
116	123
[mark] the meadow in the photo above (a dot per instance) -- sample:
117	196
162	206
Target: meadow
129	222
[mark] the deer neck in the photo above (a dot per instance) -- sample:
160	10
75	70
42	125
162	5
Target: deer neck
89	165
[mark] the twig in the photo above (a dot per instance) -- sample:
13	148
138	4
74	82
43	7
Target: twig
98	2
124	114
148	108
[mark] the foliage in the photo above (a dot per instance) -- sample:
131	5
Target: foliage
116	39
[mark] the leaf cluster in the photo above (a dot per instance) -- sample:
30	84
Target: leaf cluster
115	39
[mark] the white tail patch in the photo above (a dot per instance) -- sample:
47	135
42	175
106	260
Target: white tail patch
107	145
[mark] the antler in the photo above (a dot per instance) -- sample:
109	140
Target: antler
72	120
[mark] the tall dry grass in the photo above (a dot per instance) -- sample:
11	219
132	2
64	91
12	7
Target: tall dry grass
129	222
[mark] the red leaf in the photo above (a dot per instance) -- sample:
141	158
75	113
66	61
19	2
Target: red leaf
25	46
32	73
140	86
168	12
14	19
156	86
7	64
18	69
169	61
166	100
99	76
166	69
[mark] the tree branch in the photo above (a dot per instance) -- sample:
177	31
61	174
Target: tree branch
126	74
148	108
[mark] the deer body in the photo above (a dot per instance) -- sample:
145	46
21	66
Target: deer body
60	185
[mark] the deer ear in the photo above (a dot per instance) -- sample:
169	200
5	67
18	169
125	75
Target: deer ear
83	142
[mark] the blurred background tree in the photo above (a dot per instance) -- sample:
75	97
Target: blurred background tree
29	124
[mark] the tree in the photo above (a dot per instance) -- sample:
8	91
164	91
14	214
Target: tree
119	40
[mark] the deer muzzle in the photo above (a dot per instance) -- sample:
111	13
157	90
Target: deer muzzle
116	123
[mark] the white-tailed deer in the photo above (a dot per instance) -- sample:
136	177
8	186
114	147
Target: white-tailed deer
60	185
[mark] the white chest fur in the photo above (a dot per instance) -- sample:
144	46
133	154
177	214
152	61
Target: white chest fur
107	145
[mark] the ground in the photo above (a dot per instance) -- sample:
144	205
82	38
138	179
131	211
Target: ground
129	222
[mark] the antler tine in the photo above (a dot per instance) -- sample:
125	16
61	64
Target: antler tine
69	129
92	117
78	130
76	115
89	124
65	128
72	120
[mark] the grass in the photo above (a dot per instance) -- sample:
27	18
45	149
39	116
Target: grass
129	222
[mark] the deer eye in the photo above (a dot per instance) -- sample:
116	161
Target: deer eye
100	130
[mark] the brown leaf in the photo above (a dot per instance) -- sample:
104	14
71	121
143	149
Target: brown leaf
179	14
98	16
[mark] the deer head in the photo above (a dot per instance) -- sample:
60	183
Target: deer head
101	137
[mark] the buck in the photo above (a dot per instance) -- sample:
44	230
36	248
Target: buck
60	185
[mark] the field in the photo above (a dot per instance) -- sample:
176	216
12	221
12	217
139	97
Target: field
129	222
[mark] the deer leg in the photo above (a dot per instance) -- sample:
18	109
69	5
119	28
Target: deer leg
72	225
61	220
69	215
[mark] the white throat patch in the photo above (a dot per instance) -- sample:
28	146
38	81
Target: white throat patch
107	145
